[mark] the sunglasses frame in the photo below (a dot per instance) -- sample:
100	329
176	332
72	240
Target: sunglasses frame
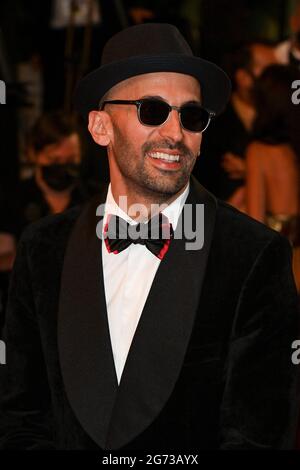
138	104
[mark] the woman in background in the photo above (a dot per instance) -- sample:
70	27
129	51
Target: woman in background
272	159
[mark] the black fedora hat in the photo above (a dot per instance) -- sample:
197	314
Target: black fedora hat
146	48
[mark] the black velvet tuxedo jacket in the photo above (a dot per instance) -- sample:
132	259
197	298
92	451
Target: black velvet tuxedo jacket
210	363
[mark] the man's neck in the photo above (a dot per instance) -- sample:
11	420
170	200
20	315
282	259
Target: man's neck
140	205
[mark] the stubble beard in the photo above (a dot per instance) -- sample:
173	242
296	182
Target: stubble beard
136	170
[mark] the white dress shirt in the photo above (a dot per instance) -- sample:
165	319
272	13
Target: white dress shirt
128	277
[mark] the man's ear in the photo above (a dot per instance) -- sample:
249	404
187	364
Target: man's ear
100	127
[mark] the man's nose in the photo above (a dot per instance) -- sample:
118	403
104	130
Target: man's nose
172	127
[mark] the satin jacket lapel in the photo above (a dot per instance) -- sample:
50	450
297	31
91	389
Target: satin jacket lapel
157	352
83	334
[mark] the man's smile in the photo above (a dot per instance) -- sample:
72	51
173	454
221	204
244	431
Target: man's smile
165	159
165	156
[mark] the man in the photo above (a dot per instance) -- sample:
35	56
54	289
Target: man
222	166
166	343
288	52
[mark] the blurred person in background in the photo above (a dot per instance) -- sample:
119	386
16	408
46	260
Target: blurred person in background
222	166
54	152
272	158
288	52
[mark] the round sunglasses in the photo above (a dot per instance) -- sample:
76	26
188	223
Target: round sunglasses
155	112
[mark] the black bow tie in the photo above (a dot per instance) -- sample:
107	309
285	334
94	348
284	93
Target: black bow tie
156	234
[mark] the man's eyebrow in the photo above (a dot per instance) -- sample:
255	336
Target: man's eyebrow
153	96
193	101
163	99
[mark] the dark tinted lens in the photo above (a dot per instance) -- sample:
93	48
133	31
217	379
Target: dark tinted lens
153	112
194	118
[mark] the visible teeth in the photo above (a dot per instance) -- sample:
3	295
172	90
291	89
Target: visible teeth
165	156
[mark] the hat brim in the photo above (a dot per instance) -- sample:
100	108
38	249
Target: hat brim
215	84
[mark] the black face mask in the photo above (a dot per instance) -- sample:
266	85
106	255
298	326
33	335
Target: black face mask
60	177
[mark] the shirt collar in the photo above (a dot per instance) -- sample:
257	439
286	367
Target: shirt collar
172	211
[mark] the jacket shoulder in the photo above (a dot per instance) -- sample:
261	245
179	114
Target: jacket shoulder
240	227
242	240
51	231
